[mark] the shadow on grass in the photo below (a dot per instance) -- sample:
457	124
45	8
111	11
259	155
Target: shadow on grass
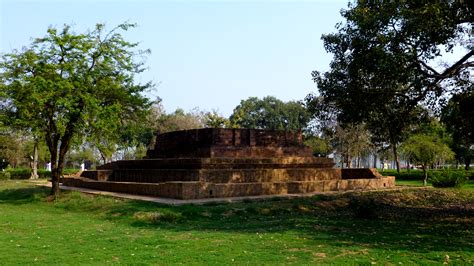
23	195
421	221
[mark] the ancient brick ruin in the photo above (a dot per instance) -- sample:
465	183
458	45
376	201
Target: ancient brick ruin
211	162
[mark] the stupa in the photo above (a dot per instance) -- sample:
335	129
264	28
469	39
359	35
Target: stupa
217	163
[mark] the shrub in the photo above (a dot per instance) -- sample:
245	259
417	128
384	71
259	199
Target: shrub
445	178
19	173
4	175
25	173
43	173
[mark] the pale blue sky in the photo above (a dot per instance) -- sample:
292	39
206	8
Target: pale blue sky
206	54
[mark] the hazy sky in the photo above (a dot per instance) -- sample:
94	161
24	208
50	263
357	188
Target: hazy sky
206	54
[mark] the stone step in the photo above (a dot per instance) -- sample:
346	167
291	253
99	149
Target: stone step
215	175
197	190
221	163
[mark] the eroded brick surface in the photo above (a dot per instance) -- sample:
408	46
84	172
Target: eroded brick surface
207	163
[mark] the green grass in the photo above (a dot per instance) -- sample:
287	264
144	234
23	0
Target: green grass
414	183
417	174
410	226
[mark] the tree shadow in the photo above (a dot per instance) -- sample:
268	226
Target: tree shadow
328	219
23	195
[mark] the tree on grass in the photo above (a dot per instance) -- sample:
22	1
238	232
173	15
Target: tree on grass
67	84
425	150
383	65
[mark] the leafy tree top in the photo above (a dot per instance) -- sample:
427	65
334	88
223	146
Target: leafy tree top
69	84
269	113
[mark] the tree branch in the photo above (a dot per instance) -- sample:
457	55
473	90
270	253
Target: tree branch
456	67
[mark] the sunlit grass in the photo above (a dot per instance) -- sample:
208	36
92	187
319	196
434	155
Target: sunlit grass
414	226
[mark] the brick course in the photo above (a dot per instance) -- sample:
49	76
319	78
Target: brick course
207	163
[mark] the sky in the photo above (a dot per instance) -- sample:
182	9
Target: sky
205	54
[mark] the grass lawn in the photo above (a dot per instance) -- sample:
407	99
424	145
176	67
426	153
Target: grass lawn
421	226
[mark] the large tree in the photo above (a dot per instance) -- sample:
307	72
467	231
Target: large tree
458	116
383	65
67	84
270	113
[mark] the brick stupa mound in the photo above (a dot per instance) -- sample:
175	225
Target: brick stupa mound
211	162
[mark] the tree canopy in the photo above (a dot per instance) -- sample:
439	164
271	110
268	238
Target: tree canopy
383	66
67	85
426	149
269	113
458	116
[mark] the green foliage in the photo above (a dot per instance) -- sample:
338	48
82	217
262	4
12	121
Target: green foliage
417	175
458	116
381	74
67	85
5	175
350	141
426	149
25	173
320	146
269	113
414	174
215	120
446	178
13	148
178	120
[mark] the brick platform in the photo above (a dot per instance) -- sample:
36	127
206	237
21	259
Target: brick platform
208	163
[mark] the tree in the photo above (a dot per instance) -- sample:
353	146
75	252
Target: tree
426	150
66	85
13	148
351	141
382	67
321	146
178	120
458	116
215	120
269	113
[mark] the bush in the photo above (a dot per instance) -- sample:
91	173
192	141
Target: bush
414	174
43	173
25	173
445	178
4	175
19	173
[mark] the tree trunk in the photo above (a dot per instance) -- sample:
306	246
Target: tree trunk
395	155
34	165
375	160
55	173
467	162
55	177
425	174
408	166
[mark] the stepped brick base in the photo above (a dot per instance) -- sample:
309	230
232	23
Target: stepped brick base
198	190
216	163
